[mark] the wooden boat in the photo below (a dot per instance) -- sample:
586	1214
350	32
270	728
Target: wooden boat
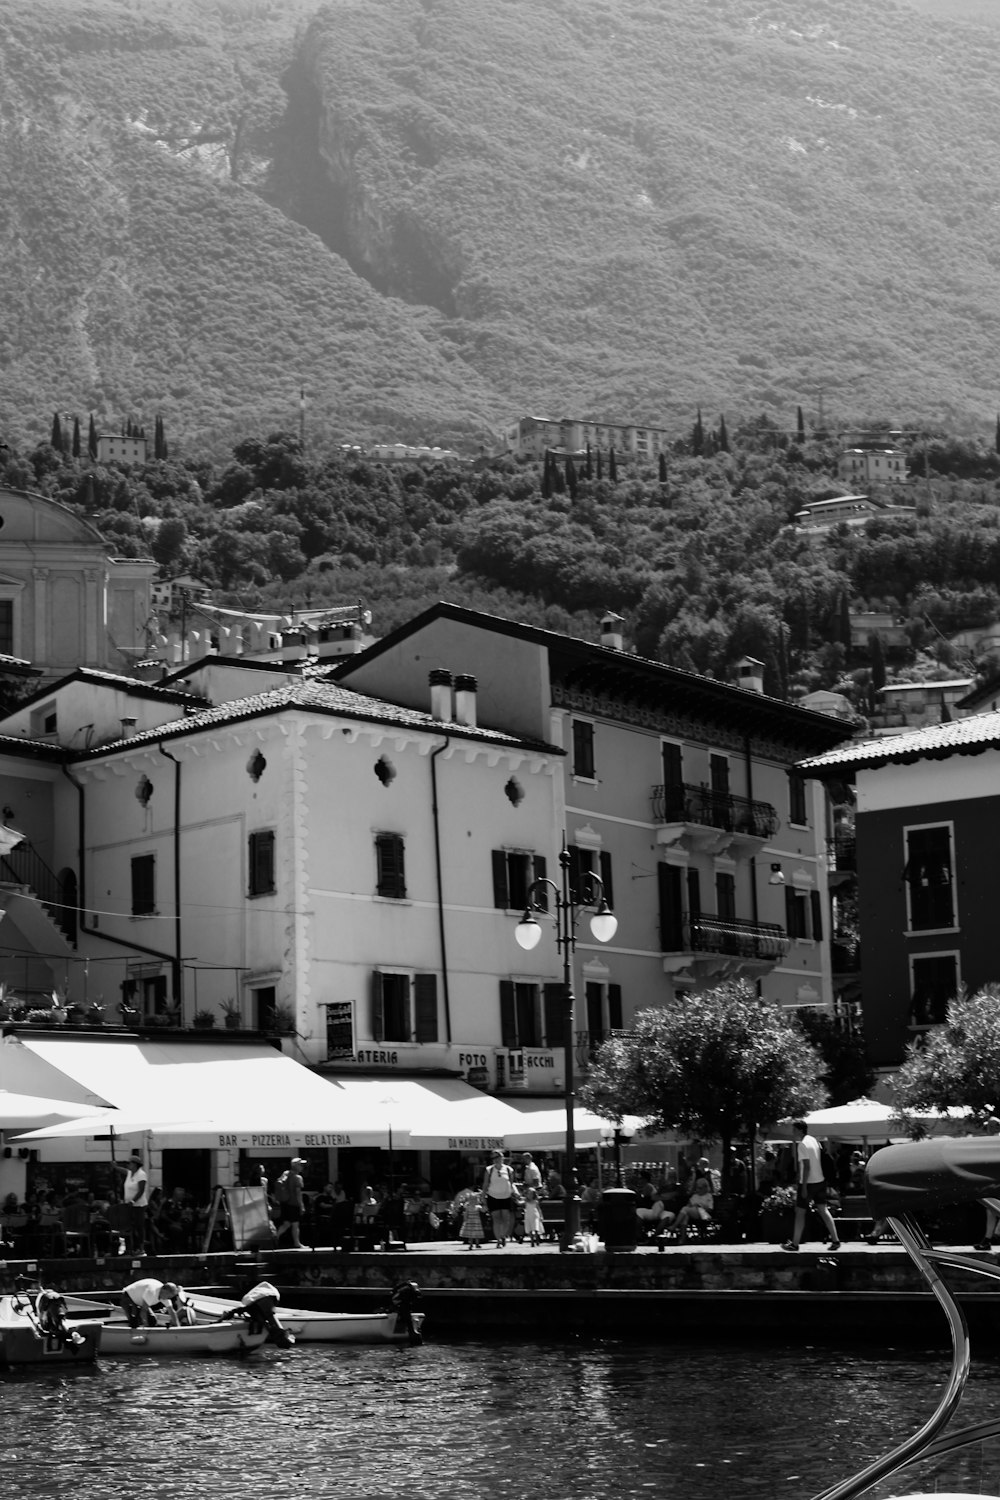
900	1181
23	1341
319	1327
118	1337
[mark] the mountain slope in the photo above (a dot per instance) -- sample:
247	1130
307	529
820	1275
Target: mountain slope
437	214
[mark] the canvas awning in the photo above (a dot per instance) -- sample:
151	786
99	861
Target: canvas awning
23	1111
198	1094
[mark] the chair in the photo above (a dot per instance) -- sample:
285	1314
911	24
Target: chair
76	1225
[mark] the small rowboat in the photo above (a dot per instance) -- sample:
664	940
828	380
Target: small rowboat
24	1342
118	1337
319	1327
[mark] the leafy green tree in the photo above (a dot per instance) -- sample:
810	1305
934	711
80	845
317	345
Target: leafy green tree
846	1070
719	1064
958	1064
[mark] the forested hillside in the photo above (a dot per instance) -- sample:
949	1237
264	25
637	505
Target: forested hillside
438	214
701	559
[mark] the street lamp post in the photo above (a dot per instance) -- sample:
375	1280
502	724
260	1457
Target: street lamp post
528	932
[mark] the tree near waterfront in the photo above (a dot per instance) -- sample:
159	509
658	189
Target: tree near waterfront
957	1064
719	1064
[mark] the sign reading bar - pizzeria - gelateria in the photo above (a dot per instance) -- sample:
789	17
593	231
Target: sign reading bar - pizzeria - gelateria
282	1138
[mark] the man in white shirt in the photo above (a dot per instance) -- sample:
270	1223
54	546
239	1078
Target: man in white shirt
811	1188
135	1191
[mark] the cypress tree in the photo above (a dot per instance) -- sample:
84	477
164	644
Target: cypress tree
571	477
612	466
600	465
547	476
800	425
698	437
590	464
723	436
56	438
76	437
997	443
663	468
845	619
878	662
92	437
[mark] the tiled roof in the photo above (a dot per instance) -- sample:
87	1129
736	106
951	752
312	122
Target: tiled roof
314	697
134	686
969	736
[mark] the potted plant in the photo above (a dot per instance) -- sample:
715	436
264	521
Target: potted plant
39	1017
75	1014
232	1015
128	1013
283	1020
777	1215
95	1013
204	1020
9	1005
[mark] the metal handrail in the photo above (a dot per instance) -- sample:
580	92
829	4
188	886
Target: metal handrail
24	866
707	933
683	803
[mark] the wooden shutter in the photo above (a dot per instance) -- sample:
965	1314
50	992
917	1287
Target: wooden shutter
694	894
378	1008
261	861
606	881
143	884
508	1014
425	1004
389	854
673	765
615	1007
671	908
816	902
595	1014
554	1003
501	894
538	873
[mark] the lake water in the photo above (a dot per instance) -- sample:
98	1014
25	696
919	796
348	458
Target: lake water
595	1421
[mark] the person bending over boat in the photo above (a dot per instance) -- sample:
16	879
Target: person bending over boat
143	1299
259	1307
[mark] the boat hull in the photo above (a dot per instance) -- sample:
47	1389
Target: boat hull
21	1342
178	1343
320	1327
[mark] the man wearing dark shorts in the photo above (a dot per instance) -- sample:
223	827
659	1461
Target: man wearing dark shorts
811	1188
292	1202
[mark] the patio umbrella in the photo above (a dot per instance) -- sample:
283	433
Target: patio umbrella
867	1119
23	1111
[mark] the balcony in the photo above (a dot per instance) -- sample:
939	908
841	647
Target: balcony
709	822
842	859
725	947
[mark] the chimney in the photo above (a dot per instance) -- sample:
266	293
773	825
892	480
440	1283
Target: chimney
750	674
611	631
440	681
465	700
127	727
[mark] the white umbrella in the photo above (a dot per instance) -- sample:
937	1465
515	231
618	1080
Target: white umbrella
867	1119
21	1111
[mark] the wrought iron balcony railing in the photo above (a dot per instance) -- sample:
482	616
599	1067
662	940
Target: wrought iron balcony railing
682	803
764	942
842	853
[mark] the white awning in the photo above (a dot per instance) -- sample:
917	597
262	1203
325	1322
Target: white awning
203	1094
542	1122
20	1111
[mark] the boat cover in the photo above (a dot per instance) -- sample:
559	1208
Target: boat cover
929	1174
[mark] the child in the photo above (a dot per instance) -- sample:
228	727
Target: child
472	1222
534	1224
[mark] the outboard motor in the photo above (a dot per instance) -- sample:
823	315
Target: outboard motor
50	1315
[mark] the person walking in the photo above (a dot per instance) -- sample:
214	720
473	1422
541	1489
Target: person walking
811	1188
288	1193
498	1185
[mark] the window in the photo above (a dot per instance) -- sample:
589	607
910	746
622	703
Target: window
928	876
796	913
583	749
816	912
604	1012
513	873
935	982
143	885
260	861
531	1015
797	800
673	781
404	1007
390	869
586	862
6	627
264	1003
671	908
725	896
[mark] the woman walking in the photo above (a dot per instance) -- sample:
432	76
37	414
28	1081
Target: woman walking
499	1189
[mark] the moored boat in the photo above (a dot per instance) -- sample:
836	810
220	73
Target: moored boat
319	1327
25	1341
117	1336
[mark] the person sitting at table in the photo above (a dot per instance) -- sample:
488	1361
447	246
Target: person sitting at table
699	1207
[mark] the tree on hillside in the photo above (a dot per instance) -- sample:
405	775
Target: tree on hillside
800	425
600	466
76	437
571	477
698	436
590	464
723	439
847	1072
719	1064
57	436
663	468
92	437
612	466
877	651
996	441
957	1064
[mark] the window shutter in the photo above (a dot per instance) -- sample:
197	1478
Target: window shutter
554	1003
791	913
815	900
606	881
615	1007
508	1015
542	893
261	862
143	884
378	1008
694	894
673	766
425	1007
595	1014
671	909
501	894
389	859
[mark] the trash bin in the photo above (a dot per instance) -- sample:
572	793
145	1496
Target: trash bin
616	1219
